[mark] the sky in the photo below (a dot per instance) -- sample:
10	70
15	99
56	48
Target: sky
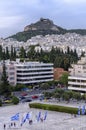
16	14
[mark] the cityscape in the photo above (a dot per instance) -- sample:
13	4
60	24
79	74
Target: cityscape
43	65
72	40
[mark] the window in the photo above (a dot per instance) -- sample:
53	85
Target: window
11	78
11	68
11	73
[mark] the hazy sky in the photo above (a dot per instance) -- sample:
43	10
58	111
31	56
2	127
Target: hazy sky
16	14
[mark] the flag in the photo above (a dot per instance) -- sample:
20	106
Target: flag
23	119
83	110
39	115
15	117
26	116
45	116
79	110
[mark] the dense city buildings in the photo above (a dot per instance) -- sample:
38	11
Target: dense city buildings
77	78
73	40
28	72
20	74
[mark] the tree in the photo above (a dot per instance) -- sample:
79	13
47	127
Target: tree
47	94
66	96
15	100
68	50
11	54
1	53
77	95
58	90
0	102
31	53
57	95
7	53
22	53
84	97
44	86
4	75
45	59
82	54
64	79
52	54
66	63
14	54
4	86
58	62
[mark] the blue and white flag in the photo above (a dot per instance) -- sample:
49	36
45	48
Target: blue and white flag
39	116
15	117
79	109
45	116
23	119
83	110
26	116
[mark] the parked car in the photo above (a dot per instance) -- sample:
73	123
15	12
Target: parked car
34	97
24	94
26	100
22	97
7	101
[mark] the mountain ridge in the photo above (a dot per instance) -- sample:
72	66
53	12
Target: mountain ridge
43	27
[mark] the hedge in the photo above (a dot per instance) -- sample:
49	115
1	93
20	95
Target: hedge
57	108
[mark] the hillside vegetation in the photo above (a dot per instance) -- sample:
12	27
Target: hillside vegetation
43	27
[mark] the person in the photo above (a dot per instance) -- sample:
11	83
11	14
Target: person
74	115
41	119
4	126
30	122
14	124
21	124
11	124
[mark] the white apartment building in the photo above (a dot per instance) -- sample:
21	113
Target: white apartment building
28	72
77	78
11	72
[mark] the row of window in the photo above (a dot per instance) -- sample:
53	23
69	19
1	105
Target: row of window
78	86
33	75
27	67
33	79
33	71
75	80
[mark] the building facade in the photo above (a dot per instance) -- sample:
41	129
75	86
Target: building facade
34	72
77	78
58	72
28	72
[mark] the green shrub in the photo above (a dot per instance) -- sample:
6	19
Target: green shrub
54	108
15	100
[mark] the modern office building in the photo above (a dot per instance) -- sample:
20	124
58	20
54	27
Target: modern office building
77	78
28	72
34	72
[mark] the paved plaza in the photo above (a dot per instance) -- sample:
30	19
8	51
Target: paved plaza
54	120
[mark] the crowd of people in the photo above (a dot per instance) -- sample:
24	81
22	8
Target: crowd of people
11	125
